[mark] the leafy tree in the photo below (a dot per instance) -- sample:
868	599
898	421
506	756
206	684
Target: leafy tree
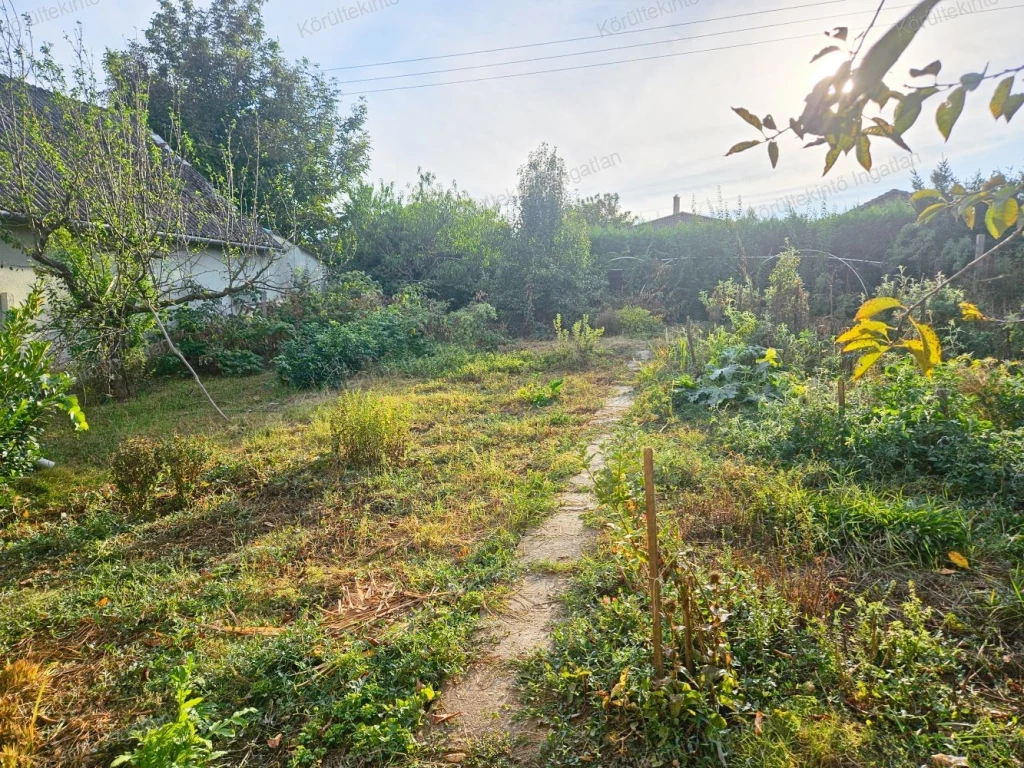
270	128
434	237
605	211
110	218
546	268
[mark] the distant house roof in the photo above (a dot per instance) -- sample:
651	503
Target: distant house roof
678	217
204	215
892	196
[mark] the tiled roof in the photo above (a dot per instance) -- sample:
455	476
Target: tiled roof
202	214
676	219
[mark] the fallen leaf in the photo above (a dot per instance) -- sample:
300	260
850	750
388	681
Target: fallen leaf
759	724
103	602
437	718
949	761
959	560
274	742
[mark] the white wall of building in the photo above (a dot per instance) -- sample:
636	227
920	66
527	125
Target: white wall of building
206	267
16	274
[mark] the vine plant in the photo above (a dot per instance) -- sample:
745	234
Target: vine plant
844	112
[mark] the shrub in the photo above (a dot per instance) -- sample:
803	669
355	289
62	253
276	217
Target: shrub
639	322
184	460
30	392
368	430
325	355
474	327
136	468
609	320
215	343
187	740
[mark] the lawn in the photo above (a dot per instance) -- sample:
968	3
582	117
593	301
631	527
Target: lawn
330	601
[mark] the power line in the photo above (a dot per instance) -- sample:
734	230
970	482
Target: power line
607	50
580	39
618	61
585	66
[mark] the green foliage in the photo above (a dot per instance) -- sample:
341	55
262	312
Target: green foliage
578	345
639	323
546	268
140	465
29	390
473	327
185	459
260	111
324	355
216	343
785	298
738	375
605	211
903	425
187	740
540	396
368	430
440	240
136	468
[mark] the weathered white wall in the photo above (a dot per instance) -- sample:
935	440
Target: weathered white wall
16	275
206	267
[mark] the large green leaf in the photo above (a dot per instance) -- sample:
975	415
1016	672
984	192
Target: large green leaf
999	98
864	152
1001	216
950	110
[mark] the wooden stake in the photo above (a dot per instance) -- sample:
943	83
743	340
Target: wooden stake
654	562
842	395
691	345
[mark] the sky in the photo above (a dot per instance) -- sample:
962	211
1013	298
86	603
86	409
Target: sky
651	128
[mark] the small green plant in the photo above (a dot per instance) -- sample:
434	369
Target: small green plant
136	468
368	430
187	740
640	323
540	396
579	344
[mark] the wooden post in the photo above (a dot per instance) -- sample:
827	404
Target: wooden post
5	306
842	394
690	344
654	562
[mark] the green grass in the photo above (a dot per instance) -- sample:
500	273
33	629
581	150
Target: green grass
271	578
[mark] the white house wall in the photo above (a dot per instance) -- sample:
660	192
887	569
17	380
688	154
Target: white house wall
16	274
207	269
